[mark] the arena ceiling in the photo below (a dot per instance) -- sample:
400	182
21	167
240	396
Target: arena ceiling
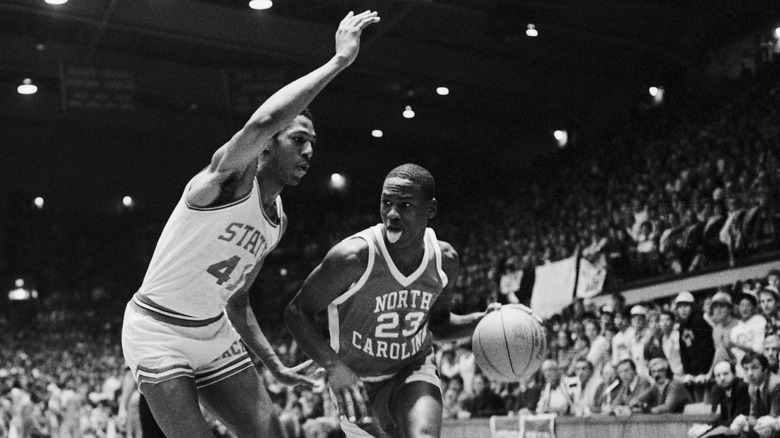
590	55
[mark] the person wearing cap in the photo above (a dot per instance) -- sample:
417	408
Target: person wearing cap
670	342
748	335
697	348
722	323
639	338
768	302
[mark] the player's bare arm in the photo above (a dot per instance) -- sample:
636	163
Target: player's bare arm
234	164
244	321
444	324
344	264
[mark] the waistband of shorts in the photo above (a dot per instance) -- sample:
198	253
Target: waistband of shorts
145	306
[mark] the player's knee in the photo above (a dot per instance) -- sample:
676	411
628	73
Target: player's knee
425	431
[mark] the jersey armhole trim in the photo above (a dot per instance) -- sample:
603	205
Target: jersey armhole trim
363	278
437	251
219	207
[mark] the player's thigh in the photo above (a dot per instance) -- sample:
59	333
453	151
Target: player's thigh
417	409
242	403
174	404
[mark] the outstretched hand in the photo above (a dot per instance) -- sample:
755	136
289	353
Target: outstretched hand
350	393
348	34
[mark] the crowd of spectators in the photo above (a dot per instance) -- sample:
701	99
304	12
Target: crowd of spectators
676	194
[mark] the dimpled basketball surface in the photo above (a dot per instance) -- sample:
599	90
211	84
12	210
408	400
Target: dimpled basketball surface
509	344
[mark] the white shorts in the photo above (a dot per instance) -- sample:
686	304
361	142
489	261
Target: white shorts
382	393
157	351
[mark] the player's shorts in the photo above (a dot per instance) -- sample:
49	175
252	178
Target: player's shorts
160	347
383	392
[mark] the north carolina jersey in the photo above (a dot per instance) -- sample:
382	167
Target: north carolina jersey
205	255
380	324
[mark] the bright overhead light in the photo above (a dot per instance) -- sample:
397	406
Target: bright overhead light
408	113
127	201
56	2
442	91
27	87
531	31
562	137
653	91
377	133
777	33
337	181
38	202
261	5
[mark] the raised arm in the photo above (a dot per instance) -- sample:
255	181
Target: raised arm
243	149
344	264
444	324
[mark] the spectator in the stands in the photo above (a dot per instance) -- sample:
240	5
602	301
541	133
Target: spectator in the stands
482	402
722	323
632	385
773	280
555	397
607	391
668	394
748	335
764	391
584	395
598	354
670	342
697	348
621	346
729	397
768	301
526	396
771	351
638	338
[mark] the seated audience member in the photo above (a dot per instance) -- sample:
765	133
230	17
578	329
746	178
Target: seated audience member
598	354
638	338
585	395
526	396
771	351
764	391
607	391
482	402
668	394
555	397
632	385
450	405
730	394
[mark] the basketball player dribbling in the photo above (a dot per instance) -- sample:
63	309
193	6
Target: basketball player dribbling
185	331
386	291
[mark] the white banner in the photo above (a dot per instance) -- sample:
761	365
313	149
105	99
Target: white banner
591	279
554	287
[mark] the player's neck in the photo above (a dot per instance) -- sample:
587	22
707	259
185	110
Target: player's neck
407	259
269	189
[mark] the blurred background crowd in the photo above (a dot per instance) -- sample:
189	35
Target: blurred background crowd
671	193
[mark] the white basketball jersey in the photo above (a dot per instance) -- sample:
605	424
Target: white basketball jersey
205	255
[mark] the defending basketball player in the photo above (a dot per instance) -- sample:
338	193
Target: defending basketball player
386	291
186	330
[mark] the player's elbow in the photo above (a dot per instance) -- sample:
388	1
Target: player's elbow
293	315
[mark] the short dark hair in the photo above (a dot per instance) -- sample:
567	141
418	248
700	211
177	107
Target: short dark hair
750	357
307	113
628	361
418	175
586	362
670	314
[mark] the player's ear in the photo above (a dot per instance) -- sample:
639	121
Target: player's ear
433	208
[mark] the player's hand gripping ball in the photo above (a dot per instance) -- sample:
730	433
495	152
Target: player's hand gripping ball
509	344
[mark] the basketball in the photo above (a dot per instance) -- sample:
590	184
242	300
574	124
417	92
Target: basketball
509	344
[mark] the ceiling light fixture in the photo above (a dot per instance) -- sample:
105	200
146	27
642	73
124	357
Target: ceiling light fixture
408	113
261	5
56	2
531	31
442	91
377	133
27	87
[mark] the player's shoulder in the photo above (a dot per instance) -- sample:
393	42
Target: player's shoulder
352	251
